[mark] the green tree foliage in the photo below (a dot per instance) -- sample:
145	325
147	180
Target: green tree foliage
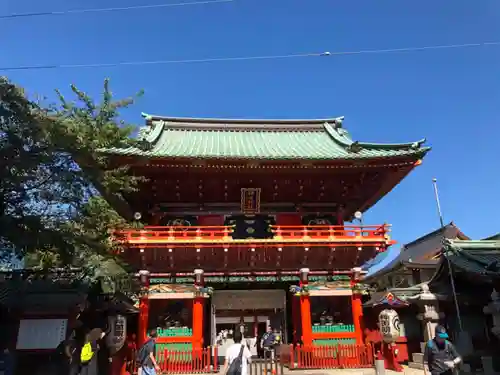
55	183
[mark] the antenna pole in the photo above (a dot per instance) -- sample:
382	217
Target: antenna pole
450	271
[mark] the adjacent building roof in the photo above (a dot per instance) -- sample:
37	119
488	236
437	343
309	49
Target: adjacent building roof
322	139
477	257
40	296
422	252
475	265
395	297
494	237
55	297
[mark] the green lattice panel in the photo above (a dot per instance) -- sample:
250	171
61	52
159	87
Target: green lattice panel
341	328
330	348
175	332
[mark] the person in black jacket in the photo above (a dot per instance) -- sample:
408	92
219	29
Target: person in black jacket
93	338
68	354
440	356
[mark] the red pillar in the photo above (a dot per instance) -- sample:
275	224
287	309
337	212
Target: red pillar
357	307
198	322
296	319
305	313
198	303
357	314
305	309
142	328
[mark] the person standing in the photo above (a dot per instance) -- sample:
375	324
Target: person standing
68	354
6	362
238	357
146	361
440	356
131	352
267	343
252	344
88	353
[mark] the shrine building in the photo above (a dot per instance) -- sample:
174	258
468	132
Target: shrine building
249	224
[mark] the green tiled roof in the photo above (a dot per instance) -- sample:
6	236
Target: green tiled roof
480	257
323	139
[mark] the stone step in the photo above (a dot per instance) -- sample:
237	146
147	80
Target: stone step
417	357
416	365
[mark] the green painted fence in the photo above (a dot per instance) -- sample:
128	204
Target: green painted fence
340	328
333	342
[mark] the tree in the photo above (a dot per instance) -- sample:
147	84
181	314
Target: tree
53	177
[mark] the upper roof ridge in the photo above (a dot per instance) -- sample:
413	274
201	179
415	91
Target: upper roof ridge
236	121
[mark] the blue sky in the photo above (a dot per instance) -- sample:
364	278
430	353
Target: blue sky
451	97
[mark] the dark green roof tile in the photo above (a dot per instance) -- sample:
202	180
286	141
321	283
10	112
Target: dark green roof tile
480	257
323	139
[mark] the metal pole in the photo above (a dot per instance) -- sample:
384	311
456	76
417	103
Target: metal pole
450	271
438	204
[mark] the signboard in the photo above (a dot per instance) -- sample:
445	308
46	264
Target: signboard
246	278
249	299
250	200
250	226
172	291
36	334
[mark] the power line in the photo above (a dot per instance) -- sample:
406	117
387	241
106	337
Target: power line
115	9
247	58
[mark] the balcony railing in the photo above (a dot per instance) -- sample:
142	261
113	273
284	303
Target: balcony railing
315	235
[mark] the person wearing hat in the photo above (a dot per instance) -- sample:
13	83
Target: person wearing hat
440	356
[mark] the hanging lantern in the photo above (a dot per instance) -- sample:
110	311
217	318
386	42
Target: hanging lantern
198	277
304	273
144	276
389	325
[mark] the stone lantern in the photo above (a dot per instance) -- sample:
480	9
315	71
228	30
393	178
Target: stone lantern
493	309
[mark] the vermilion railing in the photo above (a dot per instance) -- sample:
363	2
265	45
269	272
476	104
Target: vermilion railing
198	361
331	357
192	361
328	231
284	233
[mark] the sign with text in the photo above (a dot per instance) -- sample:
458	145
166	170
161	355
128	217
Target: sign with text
248	299
250	200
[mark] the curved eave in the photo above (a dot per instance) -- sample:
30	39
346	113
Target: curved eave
342	137
473	245
215	158
390	183
374	154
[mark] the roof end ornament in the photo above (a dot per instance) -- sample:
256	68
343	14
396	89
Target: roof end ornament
354	147
418	144
145	134
337	122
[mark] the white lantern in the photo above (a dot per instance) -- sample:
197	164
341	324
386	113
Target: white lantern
389	325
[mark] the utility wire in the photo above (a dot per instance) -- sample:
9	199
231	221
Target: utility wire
115	9
247	58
